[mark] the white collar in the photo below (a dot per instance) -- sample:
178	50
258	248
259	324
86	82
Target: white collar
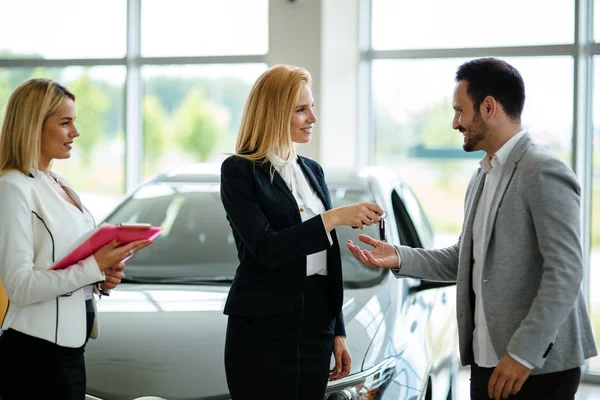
502	154
294	178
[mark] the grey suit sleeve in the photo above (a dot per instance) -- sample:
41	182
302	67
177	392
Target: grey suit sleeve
438	265
553	197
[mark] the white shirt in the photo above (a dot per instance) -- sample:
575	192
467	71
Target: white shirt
309	205
83	222
483	350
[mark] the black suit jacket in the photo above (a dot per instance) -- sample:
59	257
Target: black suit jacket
273	242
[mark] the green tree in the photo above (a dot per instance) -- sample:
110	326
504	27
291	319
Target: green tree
228	92
155	129
197	128
434	126
92	105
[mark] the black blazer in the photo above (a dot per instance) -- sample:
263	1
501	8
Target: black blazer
273	242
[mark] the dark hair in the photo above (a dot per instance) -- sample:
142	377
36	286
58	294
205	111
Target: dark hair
496	78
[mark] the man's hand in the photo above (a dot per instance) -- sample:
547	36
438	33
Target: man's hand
382	256
342	359
508	378
113	277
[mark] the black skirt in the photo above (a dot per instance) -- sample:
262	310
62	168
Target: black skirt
33	368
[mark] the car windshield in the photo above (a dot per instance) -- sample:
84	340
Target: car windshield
197	243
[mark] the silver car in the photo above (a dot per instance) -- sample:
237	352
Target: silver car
162	331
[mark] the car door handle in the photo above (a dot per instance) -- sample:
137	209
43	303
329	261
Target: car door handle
444	299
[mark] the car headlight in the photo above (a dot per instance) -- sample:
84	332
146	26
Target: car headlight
366	385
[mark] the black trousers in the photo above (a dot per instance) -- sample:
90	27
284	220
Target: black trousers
33	368
282	356
554	386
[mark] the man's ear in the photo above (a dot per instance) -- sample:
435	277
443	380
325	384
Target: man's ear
488	108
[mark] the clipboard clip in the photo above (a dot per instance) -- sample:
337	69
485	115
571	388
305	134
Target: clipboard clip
140	226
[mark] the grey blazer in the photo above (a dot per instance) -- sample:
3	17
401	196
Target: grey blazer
533	265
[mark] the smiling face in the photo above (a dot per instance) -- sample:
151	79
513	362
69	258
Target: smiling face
303	117
58	133
468	121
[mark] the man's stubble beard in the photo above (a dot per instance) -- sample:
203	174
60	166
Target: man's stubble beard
476	134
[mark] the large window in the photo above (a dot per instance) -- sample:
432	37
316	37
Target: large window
61	29
415	50
156	86
437	24
595	214
204	27
413	119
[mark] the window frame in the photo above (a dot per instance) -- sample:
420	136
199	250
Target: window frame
133	62
582	50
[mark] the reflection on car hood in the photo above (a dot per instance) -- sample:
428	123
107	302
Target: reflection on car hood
168	340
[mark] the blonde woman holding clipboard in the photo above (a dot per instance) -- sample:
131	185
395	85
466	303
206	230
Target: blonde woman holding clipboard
51	313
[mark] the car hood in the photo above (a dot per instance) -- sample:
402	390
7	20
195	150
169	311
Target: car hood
168	340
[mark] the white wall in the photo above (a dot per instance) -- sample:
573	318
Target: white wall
322	36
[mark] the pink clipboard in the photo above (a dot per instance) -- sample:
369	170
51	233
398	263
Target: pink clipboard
124	233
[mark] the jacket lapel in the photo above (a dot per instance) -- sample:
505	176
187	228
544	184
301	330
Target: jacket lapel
507	174
314	183
474	201
279	183
465	255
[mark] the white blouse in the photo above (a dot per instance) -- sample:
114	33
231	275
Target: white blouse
309	204
83	222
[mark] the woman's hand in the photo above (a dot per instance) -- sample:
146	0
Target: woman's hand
356	215
113	277
113	253
342	359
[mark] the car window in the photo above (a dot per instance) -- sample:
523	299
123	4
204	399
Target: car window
197	241
413	227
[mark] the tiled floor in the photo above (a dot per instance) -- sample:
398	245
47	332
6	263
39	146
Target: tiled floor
586	391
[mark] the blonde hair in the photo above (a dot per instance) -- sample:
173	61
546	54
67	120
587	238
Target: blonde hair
29	105
265	122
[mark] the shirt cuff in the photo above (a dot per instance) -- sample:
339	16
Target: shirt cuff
328	233
519	359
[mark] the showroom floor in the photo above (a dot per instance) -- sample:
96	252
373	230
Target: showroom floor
586	391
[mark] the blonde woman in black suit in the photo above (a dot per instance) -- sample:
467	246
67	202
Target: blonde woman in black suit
285	303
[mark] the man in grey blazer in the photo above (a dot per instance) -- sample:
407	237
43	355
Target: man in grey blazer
522	319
